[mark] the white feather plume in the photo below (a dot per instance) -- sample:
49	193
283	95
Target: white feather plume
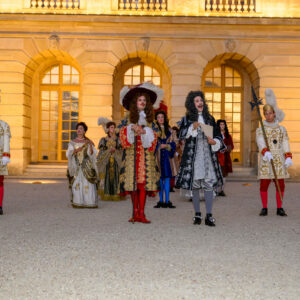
102	121
271	100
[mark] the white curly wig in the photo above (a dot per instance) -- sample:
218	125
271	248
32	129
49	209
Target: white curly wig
271	100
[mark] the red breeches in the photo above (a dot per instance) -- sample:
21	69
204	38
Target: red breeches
264	185
1	189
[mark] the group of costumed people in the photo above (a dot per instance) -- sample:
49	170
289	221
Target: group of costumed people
144	156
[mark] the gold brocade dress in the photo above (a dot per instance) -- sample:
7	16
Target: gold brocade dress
83	177
109	168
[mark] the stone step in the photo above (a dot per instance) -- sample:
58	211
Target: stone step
45	171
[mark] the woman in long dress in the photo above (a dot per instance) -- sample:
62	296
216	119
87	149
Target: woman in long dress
108	161
82	170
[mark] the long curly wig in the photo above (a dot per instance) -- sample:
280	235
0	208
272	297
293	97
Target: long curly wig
226	128
191	110
166	121
133	110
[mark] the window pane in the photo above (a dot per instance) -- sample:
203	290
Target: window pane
66	69
128	72
74	95
208	82
229	125
53	125
66	95
236	107
74	106
228	72
236	138
229	82
236	127
155	73
46	79
53	135
73	125
45	125
74	115
209	73
66	105
45	95
54	106
236	117
236	97
127	80
67	79
208	96
217	97
66	126
217	116
75	79
156	80
237	82
217	82
74	71
54	95
45	145
209	106
228	97
228	107
52	156
147	78
217	72
54	79
136	70
66	116
45	135
148	71
63	155
136	80
236	74
65	136
216	107
228	117
45	115
45	105
73	135
65	145
53	115
55	70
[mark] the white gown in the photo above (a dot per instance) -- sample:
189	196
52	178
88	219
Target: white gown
84	193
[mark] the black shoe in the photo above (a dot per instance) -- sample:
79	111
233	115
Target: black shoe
172	190
170	205
197	219
222	194
281	212
209	220
158	205
264	212
1	211
191	199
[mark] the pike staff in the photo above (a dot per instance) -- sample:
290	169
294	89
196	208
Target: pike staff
255	104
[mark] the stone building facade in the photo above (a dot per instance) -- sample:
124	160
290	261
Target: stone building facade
64	61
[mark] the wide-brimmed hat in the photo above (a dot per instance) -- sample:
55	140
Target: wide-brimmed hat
154	92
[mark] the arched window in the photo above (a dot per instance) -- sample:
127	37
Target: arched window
59	111
139	74
223	87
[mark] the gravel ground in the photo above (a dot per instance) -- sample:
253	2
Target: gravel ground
48	250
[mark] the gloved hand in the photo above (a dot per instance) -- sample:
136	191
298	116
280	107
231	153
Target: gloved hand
268	156
288	162
5	160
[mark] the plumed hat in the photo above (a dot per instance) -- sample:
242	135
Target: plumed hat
271	100
155	93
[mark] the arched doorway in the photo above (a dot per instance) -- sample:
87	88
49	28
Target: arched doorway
227	81
223	87
59	111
